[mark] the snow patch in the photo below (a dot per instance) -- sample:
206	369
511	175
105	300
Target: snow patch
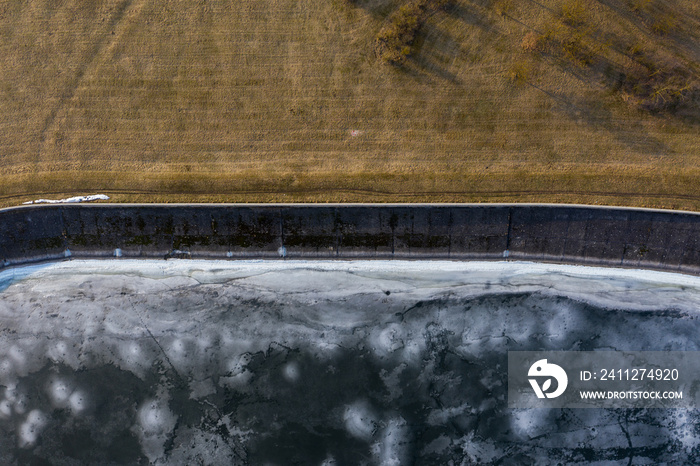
391	449
68	200
31	428
155	426
77	402
59	391
360	420
291	371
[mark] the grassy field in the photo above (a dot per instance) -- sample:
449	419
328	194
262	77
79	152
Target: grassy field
585	101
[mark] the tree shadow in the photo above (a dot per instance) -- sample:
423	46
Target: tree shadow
654	82
469	17
434	50
661	21
376	8
599	116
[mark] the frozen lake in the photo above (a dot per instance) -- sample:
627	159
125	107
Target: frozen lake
322	362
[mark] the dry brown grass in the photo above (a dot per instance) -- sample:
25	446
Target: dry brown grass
284	100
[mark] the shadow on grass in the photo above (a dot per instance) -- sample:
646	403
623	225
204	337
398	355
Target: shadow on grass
598	115
434	51
467	16
377	8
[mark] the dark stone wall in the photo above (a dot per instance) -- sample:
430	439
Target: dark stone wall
664	240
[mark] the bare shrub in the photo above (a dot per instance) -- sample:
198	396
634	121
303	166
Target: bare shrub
519	73
543	43
573	13
502	7
664	24
394	41
532	42
656	14
577	51
659	85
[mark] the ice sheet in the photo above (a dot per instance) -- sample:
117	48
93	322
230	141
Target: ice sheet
381	362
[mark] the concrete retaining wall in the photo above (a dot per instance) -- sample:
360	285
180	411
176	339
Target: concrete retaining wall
636	238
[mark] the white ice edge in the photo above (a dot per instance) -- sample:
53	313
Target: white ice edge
258	266
632	289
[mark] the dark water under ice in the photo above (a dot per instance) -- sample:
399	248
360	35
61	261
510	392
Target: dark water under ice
324	366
